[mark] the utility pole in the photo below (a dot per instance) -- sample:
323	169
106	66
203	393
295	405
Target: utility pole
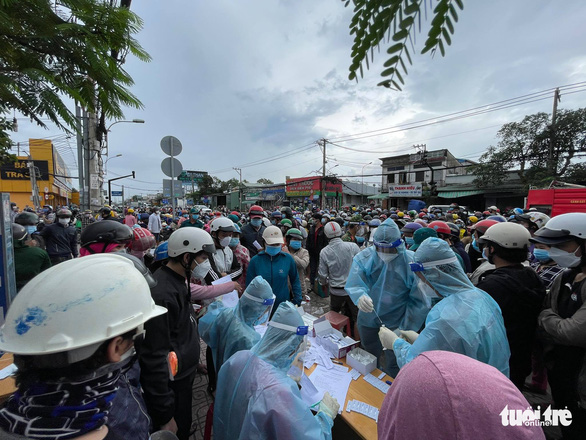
323	175
551	165
80	159
239	170
33	176
94	164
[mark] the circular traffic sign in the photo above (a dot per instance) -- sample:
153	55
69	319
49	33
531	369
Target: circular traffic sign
171	172
171	146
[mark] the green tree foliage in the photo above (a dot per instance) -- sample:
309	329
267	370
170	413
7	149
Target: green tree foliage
396	22
74	49
524	146
264	181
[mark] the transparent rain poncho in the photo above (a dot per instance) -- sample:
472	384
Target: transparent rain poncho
466	321
226	330
256	399
391	285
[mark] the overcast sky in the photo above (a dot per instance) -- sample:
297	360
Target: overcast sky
241	81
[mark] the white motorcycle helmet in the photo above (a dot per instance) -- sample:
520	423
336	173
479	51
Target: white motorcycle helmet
190	240
106	297
332	230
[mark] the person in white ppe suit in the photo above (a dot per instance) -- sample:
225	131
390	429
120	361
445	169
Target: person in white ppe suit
384	288
256	399
466	320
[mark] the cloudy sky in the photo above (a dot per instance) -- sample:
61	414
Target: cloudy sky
241	81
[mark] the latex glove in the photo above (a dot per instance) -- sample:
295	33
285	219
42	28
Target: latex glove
409	335
387	337
365	303
329	406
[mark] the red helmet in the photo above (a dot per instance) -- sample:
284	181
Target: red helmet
440	227
483	225
421	214
255	211
142	240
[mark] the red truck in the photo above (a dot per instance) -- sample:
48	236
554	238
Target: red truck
557	201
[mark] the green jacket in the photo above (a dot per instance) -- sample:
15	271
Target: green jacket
187	224
28	262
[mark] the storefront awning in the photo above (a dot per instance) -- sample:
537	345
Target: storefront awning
378	197
457	194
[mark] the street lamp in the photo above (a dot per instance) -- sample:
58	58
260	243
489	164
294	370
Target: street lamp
106	163
362	173
132	121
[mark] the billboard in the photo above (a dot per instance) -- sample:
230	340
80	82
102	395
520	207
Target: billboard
411	190
306	186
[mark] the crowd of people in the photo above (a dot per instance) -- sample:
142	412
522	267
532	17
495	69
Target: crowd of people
440	297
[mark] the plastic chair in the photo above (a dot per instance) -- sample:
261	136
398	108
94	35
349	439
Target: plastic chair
338	321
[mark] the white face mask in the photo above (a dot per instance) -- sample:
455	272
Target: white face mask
201	270
565	259
387	258
64	221
224	242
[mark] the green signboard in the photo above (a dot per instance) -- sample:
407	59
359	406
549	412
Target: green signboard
192	176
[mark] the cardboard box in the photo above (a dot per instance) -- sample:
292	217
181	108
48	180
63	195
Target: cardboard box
332	340
358	366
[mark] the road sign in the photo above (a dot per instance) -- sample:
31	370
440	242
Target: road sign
117	194
166	167
196	176
165	201
171	146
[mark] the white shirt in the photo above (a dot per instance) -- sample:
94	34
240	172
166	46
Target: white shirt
154	223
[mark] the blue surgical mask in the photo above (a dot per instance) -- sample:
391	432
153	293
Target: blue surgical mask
234	242
273	250
273	222
475	245
410	241
31	229
324	221
541	255
195	216
359	240
345	224
256	222
295	244
485	254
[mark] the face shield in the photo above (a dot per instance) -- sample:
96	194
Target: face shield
387	252
298	355
268	303
427	273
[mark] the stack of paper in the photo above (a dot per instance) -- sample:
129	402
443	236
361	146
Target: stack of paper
229	299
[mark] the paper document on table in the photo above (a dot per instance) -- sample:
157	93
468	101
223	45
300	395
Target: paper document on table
229	299
8	371
317	355
333	381
309	392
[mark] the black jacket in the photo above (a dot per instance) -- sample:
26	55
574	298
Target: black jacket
249	235
519	292
316	243
175	331
61	241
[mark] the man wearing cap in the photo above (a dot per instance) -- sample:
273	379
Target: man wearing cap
193	220
252	232
335	261
353	226
277	267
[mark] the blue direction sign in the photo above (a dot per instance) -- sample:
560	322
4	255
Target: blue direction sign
116	193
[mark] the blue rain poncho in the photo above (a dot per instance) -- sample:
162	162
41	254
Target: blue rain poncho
466	321
392	286
255	398
226	330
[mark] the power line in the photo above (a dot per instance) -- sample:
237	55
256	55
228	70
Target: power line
499	105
